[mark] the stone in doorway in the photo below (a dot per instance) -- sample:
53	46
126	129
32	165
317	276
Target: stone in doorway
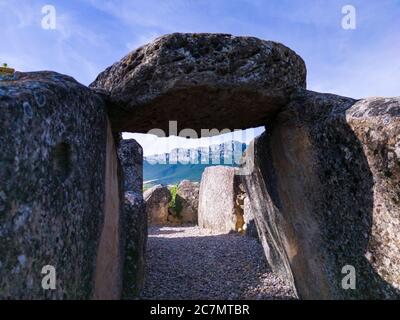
188	196
157	200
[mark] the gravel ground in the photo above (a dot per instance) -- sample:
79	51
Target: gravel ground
194	263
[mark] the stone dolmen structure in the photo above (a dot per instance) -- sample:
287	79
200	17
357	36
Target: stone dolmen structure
323	184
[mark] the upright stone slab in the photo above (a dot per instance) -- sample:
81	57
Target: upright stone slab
188	197
325	195
157	200
135	218
130	154
217	199
53	195
135	225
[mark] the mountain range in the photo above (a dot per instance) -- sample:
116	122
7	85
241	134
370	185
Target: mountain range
180	163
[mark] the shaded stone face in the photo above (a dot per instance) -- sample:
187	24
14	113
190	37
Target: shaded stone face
188	195
52	160
134	223
251	227
157	199
203	81
110	253
326	198
135	227
130	154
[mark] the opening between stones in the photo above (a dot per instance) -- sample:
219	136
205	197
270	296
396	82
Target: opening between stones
196	212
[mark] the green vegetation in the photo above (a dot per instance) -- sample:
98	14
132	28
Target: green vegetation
175	204
5	65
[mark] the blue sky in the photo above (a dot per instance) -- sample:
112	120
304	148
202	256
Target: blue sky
92	34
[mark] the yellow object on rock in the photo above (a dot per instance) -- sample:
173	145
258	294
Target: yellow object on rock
8	71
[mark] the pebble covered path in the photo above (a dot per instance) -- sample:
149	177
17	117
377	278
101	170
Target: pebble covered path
194	263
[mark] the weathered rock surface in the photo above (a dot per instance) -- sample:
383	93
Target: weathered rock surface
376	124
188	197
130	154
203	80
217	209
222	202
157	199
52	185
135	246
250	227
324	192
